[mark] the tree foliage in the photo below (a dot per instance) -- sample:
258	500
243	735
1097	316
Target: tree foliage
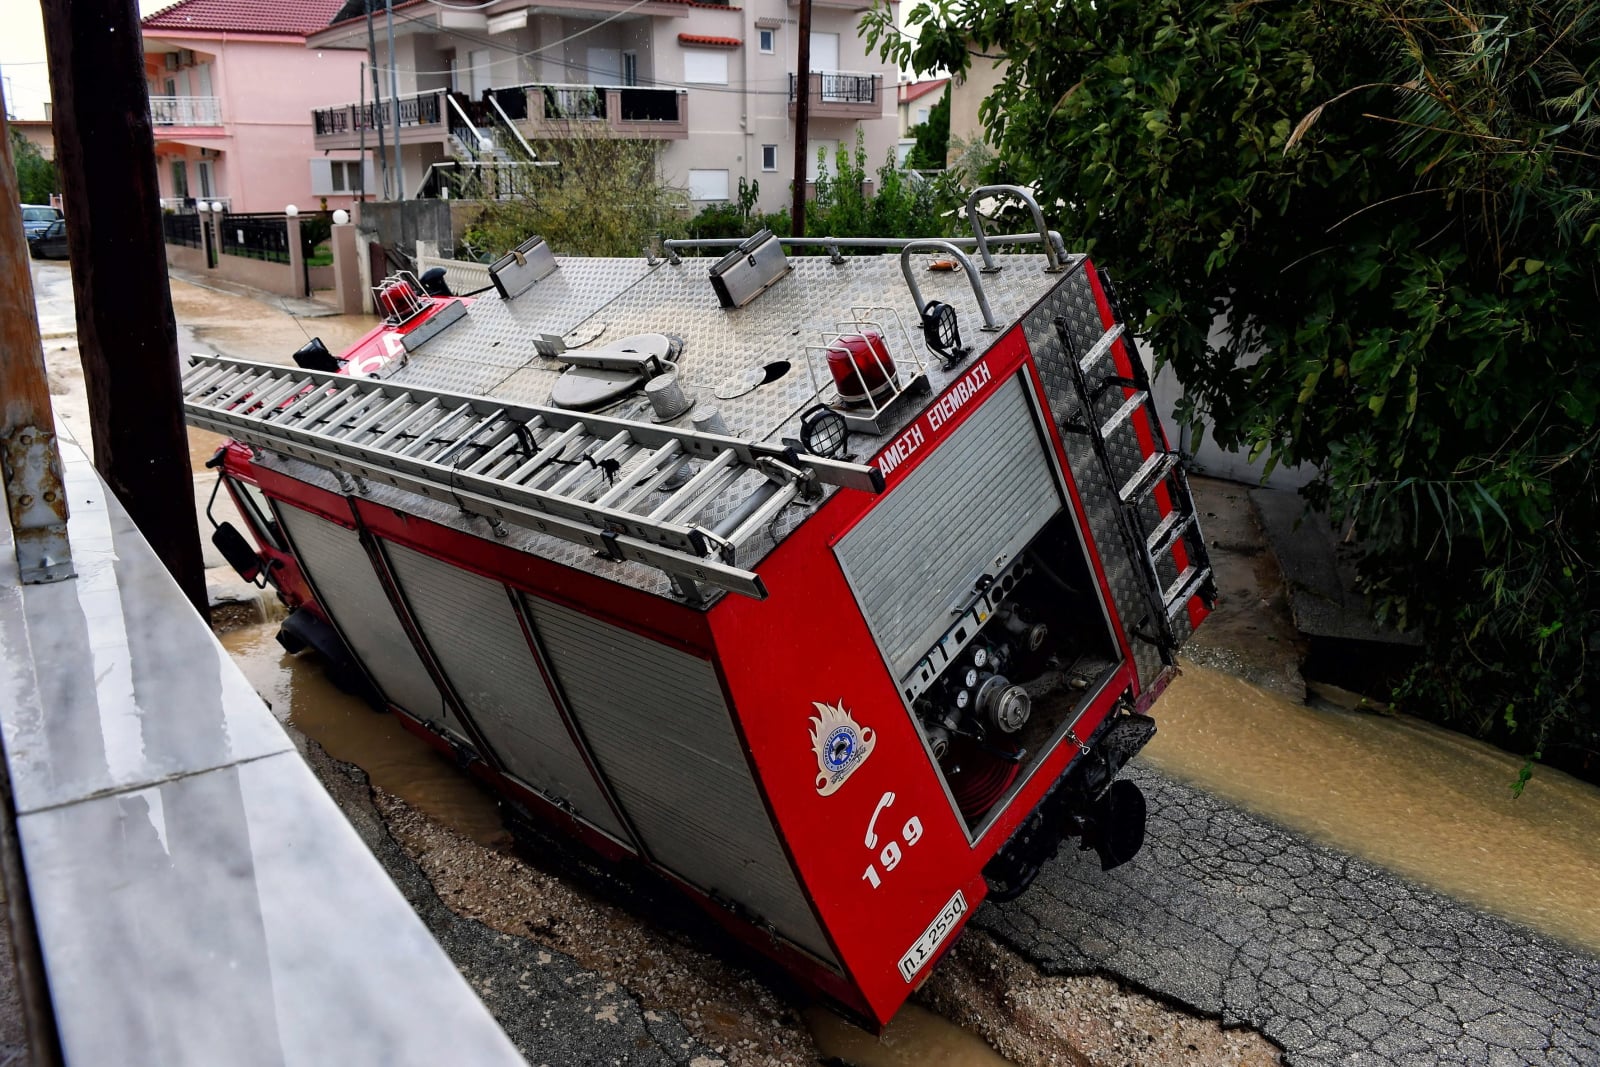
605	197
933	137
1364	234
36	175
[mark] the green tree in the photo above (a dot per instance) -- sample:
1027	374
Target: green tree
933	137
1363	232
604	197
36	175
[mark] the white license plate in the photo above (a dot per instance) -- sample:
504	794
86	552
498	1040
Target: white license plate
925	946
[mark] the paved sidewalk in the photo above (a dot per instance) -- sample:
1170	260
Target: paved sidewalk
1338	961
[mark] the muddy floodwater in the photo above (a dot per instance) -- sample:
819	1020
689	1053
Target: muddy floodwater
396	761
1430	804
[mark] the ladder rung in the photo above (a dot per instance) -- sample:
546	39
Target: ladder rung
421	411
676	503
240	387
307	395
648	470
568	482
321	412
1156	467
1100	347
1129	406
1174	526
1185	587
548	451
372	420
429	435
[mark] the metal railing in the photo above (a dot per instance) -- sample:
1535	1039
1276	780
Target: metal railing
256	237
839	87
588	103
181	229
191	204
422	109
185	111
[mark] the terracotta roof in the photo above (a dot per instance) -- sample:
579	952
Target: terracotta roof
916	90
714	42
296	17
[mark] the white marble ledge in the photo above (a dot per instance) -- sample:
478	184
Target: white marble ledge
199	897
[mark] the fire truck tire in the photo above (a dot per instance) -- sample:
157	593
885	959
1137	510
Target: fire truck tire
302	630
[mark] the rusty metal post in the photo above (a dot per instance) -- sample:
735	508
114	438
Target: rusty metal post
29	459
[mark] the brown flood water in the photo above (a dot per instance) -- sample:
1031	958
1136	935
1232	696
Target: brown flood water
1432	805
916	1037
395	760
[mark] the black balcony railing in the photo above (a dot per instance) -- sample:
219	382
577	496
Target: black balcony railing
836	87
181	229
423	109
648	105
256	237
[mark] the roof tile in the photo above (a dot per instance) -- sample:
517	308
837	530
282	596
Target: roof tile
288	17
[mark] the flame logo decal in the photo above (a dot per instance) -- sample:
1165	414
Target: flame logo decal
840	744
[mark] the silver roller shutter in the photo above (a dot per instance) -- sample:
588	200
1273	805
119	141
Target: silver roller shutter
983	494
659	728
468	623
350	592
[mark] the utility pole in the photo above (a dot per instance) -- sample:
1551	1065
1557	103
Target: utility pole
802	119
377	97
394	97
30	463
105	156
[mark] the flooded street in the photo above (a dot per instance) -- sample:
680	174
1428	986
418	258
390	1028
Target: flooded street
303	696
1428	803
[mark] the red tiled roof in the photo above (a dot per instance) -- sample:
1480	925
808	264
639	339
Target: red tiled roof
714	42
916	90
297	17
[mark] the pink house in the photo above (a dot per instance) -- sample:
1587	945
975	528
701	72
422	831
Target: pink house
231	82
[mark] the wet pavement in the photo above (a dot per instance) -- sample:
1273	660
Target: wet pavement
1336	960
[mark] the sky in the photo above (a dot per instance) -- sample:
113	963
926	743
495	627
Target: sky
22	65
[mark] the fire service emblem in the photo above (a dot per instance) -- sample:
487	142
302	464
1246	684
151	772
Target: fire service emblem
841	745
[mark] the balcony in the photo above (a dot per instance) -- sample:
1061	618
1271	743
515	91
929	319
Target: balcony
619	111
421	119
168	111
841	94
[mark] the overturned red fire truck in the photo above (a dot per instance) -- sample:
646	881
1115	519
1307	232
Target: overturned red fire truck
835	588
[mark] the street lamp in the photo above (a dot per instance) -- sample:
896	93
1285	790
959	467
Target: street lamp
341	217
216	205
291	211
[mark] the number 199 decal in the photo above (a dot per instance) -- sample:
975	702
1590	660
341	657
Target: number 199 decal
891	854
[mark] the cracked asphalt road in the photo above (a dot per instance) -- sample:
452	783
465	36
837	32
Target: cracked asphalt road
1336	960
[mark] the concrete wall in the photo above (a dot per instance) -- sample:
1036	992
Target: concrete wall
967	95
260	274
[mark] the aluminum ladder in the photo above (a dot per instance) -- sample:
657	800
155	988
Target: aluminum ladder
1095	376
681	501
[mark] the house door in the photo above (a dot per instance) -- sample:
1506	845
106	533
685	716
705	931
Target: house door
180	179
478	70
203	173
825	58
605	66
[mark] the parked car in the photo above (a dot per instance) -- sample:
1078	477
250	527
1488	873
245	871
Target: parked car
51	243
36	218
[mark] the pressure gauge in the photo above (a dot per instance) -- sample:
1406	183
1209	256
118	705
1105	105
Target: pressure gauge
971	678
980	658
963	698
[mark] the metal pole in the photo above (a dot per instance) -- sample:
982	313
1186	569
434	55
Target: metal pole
361	130
802	119
30	463
377	97
394	94
105	152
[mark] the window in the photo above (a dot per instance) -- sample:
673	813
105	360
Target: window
180	178
708	185
769	40
922	115
338	177
705	68
203	170
630	68
769	157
